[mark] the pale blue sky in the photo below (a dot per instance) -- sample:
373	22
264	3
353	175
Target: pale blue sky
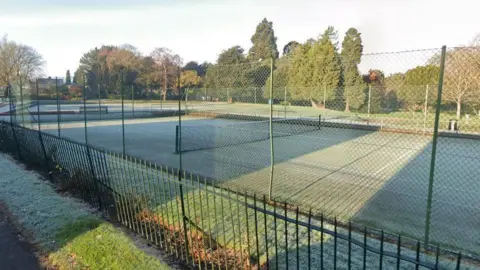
199	30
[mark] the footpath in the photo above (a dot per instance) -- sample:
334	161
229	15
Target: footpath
15	251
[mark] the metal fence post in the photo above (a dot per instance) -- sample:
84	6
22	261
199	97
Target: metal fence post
13	108
133	103
369	99
85	108
123	112
186	101
99	102
58	106
285	101
21	100
434	145
39	125
272	156
180	171
89	155
425	111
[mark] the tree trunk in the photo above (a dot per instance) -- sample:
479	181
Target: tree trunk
347	106
459	108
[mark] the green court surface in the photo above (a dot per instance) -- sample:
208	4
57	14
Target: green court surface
377	178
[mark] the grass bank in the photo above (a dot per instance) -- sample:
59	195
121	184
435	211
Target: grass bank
68	232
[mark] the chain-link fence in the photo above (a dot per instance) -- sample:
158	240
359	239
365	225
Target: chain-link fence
389	140
209	227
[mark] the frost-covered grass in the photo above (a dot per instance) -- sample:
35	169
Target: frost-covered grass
65	228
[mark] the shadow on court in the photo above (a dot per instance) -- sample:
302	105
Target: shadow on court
400	205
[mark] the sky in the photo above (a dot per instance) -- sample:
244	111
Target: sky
199	30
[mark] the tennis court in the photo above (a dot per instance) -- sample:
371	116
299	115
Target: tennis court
377	178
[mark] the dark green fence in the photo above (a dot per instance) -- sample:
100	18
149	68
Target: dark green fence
211	227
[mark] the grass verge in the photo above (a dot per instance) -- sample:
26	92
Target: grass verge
66	230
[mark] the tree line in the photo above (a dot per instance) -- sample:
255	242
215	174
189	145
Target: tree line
326	72
320	70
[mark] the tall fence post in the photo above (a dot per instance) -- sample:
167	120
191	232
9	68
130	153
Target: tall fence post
369	99
84	96
425	108
123	112
180	171
89	155
272	156
285	101
434	145
133	102
21	100
58	106
186	100
99	102
39	125
149	96
13	109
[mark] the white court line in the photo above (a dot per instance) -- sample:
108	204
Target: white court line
391	163
100	123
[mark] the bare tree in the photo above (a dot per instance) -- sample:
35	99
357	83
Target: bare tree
462	76
167	64
18	60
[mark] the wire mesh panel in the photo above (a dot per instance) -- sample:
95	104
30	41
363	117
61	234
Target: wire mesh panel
374	140
227	121
455	201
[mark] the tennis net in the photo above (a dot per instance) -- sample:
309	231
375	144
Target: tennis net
202	137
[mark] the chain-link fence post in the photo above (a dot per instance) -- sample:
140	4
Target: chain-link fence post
272	156
87	147
99	102
85	107
369	100
180	170
425	111
434	145
123	112
58	106
39	125
133	102
186	101
13	109
21	99
149	96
